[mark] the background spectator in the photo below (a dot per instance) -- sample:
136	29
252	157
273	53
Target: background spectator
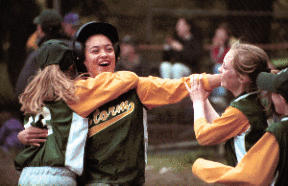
182	51
8	135
71	23
48	27
220	44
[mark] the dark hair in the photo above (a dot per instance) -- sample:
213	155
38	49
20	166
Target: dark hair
89	29
93	28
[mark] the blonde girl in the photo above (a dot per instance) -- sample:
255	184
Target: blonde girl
60	158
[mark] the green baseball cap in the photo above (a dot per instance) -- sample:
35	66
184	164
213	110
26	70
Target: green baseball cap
277	83
48	17
55	52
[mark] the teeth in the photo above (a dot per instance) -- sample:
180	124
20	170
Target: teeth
105	63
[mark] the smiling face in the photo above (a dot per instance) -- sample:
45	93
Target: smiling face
99	55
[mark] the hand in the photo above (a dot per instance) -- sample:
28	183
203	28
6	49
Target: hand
32	136
176	45
197	91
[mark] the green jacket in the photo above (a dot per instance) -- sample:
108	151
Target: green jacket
67	134
250	106
117	136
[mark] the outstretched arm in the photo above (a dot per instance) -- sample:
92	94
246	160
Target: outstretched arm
155	91
211	81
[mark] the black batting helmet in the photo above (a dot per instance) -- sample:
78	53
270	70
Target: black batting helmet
89	29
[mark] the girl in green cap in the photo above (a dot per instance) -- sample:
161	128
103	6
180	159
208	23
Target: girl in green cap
60	158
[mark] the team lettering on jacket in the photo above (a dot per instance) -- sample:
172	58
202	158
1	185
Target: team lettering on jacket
105	118
121	110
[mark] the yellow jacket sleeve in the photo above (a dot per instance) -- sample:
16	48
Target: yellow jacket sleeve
152	91
94	92
256	168
231	123
155	91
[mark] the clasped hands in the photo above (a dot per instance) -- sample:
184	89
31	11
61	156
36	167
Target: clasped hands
196	89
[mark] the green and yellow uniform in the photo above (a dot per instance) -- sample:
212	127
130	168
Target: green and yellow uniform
115	147
264	163
67	133
240	126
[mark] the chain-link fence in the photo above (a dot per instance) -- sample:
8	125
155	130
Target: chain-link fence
259	22
263	23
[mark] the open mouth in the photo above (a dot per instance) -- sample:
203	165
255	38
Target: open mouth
104	64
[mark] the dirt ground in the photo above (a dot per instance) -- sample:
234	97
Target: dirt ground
155	176
172	178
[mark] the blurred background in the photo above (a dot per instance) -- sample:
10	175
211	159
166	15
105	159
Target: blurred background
149	27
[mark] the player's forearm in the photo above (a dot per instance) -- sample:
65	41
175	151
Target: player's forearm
211	81
199	111
155	91
210	112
